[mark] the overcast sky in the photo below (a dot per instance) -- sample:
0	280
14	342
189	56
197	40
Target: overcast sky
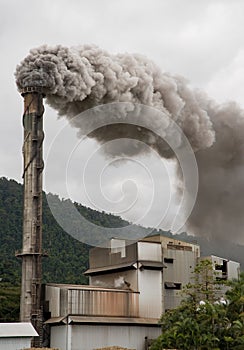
201	40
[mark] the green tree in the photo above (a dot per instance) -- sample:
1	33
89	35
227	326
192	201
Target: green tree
9	302
188	327
235	296
203	321
204	286
235	313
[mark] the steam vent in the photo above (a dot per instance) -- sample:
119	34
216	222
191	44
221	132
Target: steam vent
31	254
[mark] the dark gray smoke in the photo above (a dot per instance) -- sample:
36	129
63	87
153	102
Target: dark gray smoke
76	79
218	212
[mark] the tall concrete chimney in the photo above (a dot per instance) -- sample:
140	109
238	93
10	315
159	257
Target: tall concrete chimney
31	253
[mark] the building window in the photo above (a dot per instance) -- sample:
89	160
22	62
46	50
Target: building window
169	260
172	285
218	267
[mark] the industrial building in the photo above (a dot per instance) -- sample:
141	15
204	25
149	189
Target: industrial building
224	269
16	335
158	261
130	285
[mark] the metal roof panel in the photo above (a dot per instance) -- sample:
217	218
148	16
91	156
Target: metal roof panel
17	329
105	269
156	265
113	320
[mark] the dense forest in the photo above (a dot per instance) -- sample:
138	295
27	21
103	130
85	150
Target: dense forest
67	258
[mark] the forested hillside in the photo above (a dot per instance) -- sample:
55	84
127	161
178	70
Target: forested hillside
67	258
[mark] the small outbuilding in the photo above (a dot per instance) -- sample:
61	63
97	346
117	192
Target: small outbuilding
16	336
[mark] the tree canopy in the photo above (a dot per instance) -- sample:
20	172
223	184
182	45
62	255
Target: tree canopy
204	320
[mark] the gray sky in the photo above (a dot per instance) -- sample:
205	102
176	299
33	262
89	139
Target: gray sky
201	40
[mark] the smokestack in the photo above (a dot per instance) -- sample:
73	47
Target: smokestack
31	254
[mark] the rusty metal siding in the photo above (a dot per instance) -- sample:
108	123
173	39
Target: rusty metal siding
102	303
93	302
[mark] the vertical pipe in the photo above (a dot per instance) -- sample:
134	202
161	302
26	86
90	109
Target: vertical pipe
31	254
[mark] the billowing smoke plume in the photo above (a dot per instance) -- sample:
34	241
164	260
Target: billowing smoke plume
218	212
76	79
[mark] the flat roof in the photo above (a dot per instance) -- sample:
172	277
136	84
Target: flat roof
104	320
109	268
17	329
209	257
165	239
89	288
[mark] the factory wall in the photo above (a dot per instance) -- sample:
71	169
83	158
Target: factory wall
147	282
16	343
116	279
150	299
180	259
81	337
143	276
60	338
223	269
131	286
16	335
179	271
149	251
158	287
233	269
66	300
120	251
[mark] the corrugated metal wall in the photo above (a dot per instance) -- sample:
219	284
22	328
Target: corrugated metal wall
105	335
14	343
93	302
102	303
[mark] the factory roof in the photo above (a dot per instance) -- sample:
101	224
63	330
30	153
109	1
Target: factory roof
156	265
88	287
106	269
20	329
103	319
